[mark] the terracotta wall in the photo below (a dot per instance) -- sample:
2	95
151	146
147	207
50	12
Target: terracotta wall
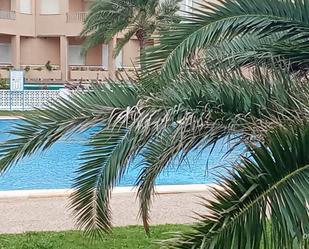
130	53
40	50
5	39
5	4
23	25
76	5
94	56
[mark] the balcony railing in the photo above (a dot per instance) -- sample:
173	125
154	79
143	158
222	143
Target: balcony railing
7	14
76	16
40	72
88	73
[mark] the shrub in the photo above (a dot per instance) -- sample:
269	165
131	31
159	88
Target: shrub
4	83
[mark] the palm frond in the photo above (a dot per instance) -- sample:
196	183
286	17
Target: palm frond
212	23
269	187
78	113
126	38
103	165
192	112
250	50
108	18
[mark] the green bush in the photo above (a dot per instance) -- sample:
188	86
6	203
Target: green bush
4	84
48	66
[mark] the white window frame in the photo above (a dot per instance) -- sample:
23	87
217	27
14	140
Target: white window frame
50	10
105	55
78	49
25	6
5	58
119	60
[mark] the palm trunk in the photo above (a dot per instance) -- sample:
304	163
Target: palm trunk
141	35
142	44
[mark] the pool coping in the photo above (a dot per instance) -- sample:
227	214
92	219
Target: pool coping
10	117
50	193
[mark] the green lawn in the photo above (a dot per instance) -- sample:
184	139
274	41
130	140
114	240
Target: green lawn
128	237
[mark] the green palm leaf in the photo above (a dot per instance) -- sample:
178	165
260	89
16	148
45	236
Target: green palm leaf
193	112
142	19
269	188
250	50
212	23
103	165
76	114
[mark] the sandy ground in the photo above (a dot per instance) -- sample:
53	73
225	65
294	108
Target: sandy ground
19	215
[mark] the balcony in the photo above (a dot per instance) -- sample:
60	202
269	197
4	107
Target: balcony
7	15
88	73
126	73
40	72
5	71
76	17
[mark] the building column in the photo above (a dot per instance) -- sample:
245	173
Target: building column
64	58
14	5
15	46
66	5
111	59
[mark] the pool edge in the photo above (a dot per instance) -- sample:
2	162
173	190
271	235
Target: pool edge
10	117
50	193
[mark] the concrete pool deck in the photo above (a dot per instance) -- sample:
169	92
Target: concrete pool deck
47	210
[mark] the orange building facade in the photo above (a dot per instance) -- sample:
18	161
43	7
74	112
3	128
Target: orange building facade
42	38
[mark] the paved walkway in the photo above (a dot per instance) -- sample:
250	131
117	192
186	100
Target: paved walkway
22	214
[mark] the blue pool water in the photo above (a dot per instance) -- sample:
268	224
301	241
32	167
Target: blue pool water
54	169
41	86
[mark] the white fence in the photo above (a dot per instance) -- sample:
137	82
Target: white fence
27	100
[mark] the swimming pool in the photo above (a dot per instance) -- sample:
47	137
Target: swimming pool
43	86
55	168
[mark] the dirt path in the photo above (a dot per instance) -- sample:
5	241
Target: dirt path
19	215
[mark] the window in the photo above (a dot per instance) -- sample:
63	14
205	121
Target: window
105	55
50	7
75	57
119	60
5	53
25	6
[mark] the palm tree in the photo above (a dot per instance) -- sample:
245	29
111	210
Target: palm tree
237	32
268	112
262	203
193	112
140	18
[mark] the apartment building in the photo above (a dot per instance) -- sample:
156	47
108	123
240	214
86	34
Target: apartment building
42	37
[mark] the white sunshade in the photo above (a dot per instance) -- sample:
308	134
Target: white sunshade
50	7
75	57
25	6
5	53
